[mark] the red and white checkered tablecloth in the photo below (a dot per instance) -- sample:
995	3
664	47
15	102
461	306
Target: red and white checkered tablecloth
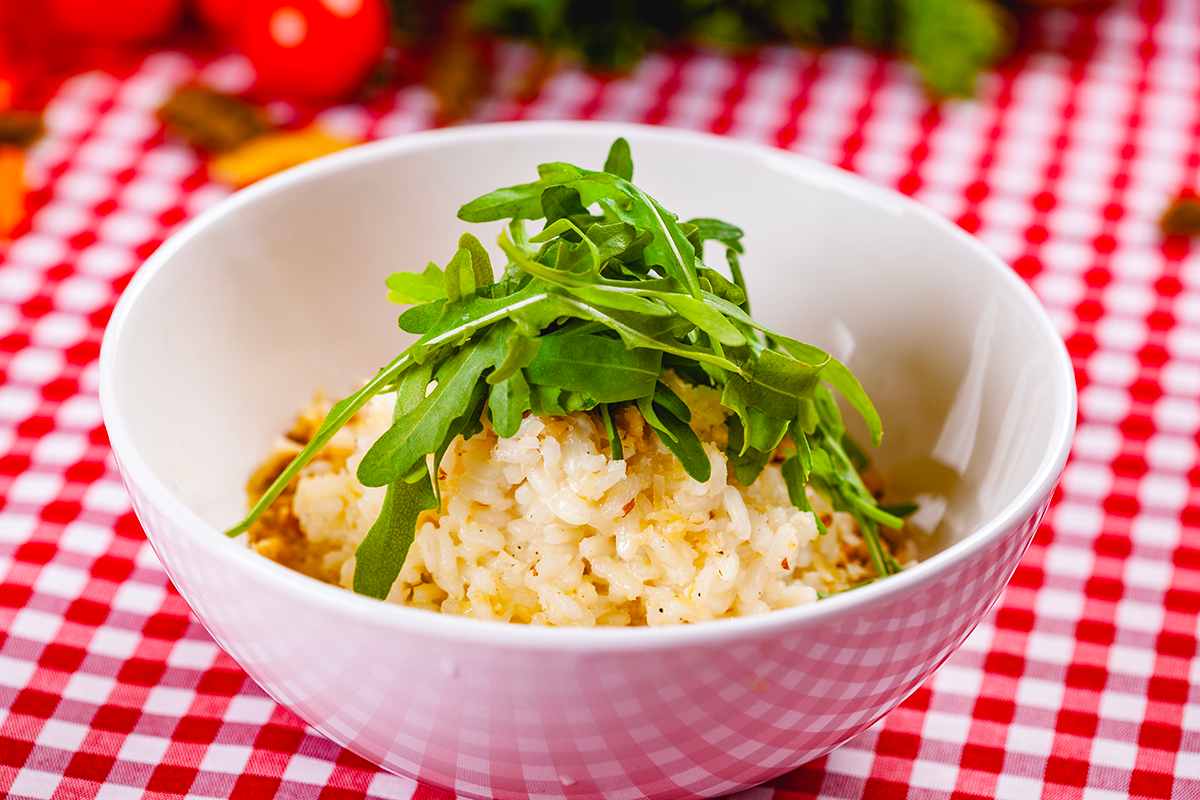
1082	683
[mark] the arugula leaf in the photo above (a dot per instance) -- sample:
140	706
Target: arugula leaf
718	231
481	262
561	202
409	287
419	319
381	554
460	277
469	424
713	282
614	436
828	414
764	432
808	419
508	401
554	401
669	247
731	237
646	408
619	161
466	425
875	513
833	371
524	201
683	442
477	313
665	396
747	461
522	349
735	268
900	510
410	388
598	366
795	476
638	331
848	386
419	432
803	449
706	319
584	286
517	202
612	239
774	386
858	456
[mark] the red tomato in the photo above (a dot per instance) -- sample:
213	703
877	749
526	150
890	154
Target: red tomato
223	16
117	20
313	48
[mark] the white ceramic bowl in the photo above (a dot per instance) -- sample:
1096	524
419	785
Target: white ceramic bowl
227	330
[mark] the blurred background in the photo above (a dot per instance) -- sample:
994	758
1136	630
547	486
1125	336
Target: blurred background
1065	136
273	66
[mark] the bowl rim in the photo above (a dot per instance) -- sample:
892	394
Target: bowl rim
136	471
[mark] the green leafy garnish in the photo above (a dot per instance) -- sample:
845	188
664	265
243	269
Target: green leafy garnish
587	316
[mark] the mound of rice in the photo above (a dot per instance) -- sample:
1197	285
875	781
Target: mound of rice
546	528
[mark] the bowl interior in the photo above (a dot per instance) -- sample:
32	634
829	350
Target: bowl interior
280	292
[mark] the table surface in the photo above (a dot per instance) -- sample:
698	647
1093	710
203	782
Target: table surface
1082	682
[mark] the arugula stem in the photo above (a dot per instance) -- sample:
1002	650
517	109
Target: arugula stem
614	436
338	416
735	269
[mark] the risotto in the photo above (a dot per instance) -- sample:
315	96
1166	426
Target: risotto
544	527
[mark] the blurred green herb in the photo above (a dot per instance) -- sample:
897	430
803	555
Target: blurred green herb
588	314
950	41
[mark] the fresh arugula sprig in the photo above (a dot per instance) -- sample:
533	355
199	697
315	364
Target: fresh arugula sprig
587	315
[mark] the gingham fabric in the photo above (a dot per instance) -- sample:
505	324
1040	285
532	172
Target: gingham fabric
1081	683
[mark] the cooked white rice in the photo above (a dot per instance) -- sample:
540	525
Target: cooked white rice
546	528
